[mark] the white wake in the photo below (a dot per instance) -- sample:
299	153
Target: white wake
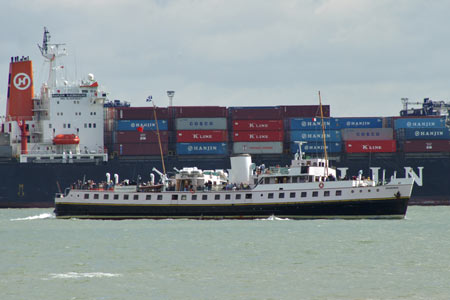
37	217
76	275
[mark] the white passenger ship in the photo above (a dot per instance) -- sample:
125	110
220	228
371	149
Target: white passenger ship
308	189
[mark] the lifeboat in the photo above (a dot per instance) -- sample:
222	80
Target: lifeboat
66	139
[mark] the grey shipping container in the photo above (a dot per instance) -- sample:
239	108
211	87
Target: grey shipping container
362	134
201	124
258	147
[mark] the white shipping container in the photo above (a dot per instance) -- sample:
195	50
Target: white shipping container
363	134
258	147
201	124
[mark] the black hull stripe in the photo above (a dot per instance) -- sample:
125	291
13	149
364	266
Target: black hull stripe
390	208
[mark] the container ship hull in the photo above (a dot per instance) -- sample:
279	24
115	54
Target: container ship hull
34	185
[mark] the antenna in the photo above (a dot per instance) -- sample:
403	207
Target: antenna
170	94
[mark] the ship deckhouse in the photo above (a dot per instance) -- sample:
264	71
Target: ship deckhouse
64	123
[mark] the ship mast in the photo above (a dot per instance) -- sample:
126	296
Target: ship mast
50	52
323	136
159	138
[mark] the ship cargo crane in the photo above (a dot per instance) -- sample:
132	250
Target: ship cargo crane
429	108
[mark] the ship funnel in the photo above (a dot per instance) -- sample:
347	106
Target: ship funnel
241	168
19	105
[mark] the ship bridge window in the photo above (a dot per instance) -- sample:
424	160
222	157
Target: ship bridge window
248	196
105	196
338	193
135	197
125	197
194	197
326	193
303	195
294	179
281	195
270	196
238	196
227	196
116	197
183	197
267	180
86	196
292	195
148	197
159	197
174	197
95	196
217	197
204	197
315	194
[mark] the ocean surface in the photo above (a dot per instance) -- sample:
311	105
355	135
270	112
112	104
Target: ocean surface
45	258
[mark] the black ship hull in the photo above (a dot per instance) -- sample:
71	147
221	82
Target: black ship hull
356	209
35	184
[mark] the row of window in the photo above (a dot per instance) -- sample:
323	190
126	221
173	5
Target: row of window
86	125
280	195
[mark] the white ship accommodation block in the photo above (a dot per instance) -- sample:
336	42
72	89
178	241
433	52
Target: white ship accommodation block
62	124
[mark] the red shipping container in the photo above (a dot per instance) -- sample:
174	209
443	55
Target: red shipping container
370	146
258	136
145	137
200	111
139	149
257	125
426	146
250	113
304	111
141	113
201	136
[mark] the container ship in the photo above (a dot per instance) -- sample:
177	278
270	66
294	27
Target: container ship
70	130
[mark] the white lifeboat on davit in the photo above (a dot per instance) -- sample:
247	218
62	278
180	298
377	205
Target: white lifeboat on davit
66	139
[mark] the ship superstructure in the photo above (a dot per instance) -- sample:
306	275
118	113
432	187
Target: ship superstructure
64	123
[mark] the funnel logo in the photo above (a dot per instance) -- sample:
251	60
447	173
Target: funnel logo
22	81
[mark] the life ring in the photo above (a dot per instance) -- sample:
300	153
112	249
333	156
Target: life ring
321	185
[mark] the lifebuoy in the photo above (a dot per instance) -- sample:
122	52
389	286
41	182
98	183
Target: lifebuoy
321	185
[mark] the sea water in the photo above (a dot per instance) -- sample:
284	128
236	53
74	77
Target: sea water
42	257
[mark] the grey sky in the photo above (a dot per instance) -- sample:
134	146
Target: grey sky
362	55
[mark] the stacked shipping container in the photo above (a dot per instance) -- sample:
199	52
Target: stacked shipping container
422	134
207	130
201	130
257	130
136	134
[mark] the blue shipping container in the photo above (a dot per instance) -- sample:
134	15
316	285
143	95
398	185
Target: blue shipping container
312	123
315	135
317	147
202	148
359	122
419	123
131	125
424	134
